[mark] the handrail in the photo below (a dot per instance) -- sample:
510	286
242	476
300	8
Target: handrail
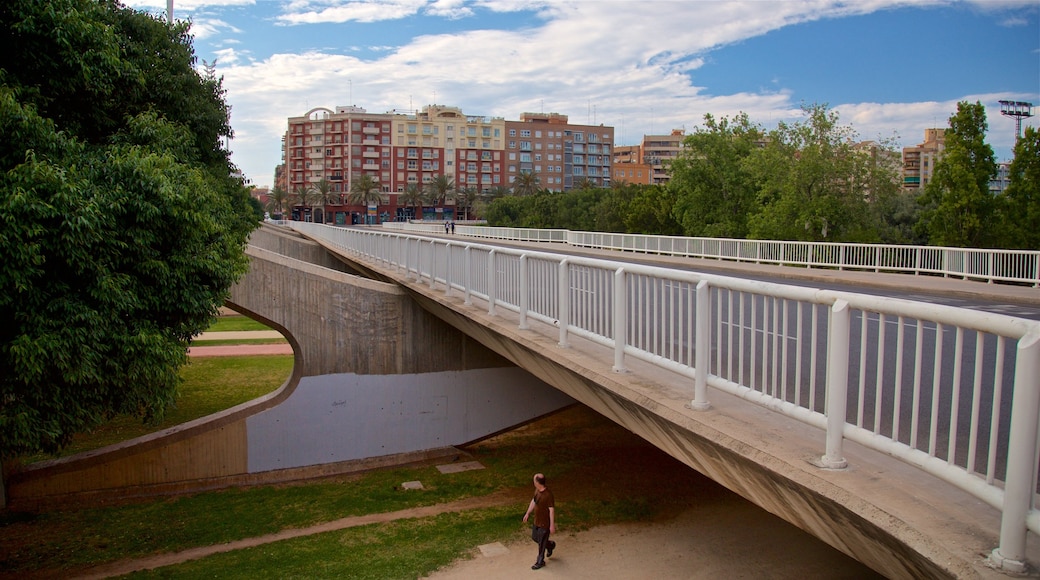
990	265
925	383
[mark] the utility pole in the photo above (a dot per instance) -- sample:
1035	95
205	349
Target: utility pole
169	11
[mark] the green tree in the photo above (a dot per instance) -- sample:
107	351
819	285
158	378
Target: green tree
439	190
303	196
1021	203
526	183
413	197
277	201
811	182
364	191
325	196
465	199
959	209
714	192
123	228
651	212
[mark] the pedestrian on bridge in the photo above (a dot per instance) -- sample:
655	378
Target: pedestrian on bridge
544	507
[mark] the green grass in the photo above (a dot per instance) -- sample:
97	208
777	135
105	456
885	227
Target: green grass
600	472
208	385
236	323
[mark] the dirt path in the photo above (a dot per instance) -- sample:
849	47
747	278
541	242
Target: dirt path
160	560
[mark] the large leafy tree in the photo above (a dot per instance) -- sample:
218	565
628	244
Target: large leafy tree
714	192
1021	203
959	209
813	185
123	228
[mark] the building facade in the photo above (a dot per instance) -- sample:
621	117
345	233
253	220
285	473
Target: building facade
919	161
563	156
333	148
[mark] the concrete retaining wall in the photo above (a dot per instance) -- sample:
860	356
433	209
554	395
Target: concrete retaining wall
376	380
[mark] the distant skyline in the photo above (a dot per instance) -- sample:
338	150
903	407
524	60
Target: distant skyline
890	68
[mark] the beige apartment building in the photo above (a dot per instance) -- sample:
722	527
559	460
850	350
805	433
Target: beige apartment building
919	161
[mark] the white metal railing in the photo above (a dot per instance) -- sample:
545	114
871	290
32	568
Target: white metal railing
954	392
1014	266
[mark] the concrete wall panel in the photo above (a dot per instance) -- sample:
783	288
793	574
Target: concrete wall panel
344	417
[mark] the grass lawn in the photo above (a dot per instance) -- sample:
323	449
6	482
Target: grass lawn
236	322
208	385
600	472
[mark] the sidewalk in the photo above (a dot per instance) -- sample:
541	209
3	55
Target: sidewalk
239	349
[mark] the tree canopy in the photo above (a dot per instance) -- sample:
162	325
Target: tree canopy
960	207
123	228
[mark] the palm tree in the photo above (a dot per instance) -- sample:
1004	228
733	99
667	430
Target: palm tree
583	183
363	191
303	196
440	189
323	191
413	197
527	183
277	200
466	198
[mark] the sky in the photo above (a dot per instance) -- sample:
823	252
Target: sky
889	68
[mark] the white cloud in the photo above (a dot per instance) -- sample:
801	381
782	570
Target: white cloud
203	28
624	64
186	5
335	11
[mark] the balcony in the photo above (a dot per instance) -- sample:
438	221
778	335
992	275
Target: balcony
370	130
370	154
370	167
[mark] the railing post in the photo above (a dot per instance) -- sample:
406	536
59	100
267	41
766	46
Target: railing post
620	320
492	277
564	301
524	292
837	384
433	263
1019	483
702	342
447	269
467	261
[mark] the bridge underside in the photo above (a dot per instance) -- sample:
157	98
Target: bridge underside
880	511
376	380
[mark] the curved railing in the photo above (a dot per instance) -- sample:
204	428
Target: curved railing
954	392
1011	266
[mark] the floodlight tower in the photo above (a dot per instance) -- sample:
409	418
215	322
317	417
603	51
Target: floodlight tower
1019	110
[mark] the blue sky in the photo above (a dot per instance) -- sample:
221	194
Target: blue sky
890	68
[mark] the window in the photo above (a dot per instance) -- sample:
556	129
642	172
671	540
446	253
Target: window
525	132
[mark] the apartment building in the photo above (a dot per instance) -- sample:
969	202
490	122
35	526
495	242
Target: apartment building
562	155
440	140
659	151
398	150
919	161
629	166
